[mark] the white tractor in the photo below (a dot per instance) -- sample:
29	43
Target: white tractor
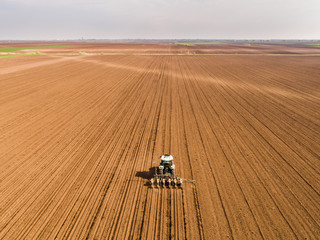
165	173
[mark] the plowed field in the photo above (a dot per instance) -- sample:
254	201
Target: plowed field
79	135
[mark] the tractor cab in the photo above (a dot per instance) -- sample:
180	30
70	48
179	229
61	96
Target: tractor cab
166	160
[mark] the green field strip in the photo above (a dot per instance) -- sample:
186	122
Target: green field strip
15	55
14	49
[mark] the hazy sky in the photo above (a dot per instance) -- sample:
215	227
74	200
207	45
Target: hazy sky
114	19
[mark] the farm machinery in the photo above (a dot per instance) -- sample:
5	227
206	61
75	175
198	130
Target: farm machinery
165	173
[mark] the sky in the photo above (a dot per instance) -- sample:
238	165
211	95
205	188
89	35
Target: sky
159	19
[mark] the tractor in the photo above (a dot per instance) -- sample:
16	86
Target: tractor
165	173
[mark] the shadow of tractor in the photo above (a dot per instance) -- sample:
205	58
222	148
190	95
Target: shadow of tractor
146	174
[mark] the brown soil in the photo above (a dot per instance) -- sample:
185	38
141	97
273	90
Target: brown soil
79	134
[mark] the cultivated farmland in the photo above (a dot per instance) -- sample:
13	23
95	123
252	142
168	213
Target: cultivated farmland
80	132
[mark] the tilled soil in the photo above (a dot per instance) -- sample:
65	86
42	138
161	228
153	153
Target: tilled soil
79	135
